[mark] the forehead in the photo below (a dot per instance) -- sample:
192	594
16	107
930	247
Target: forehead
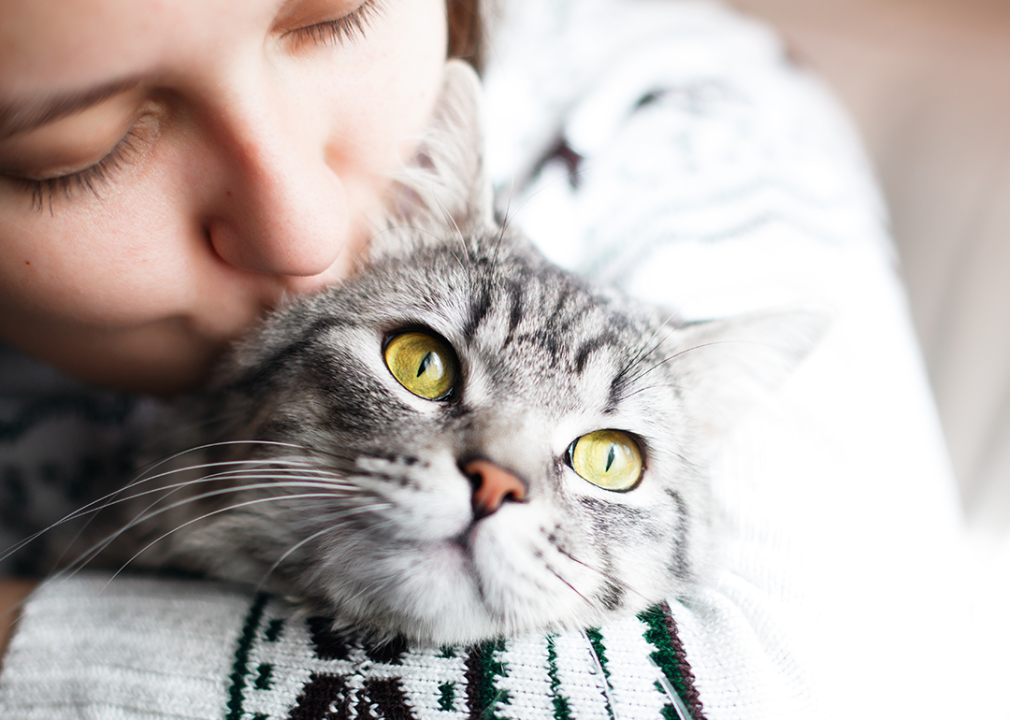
59	44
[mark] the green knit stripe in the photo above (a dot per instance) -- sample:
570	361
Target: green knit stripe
596	640
561	709
598	649
240	666
671	662
447	696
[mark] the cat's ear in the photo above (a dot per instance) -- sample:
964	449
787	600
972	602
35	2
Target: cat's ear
725	367
445	188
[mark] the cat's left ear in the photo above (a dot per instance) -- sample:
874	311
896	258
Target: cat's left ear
445	186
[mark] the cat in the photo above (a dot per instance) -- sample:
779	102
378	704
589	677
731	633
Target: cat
463	440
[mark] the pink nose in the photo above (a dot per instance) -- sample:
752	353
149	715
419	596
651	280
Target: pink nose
492	485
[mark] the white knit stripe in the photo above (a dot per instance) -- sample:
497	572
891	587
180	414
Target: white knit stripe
424	673
632	677
126	649
527	681
291	657
581	682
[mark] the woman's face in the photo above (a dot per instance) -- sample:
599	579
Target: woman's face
169	169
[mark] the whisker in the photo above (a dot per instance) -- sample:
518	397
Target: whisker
112	498
94	551
571	587
653	342
315	576
301	543
212	513
148	513
676	355
599	572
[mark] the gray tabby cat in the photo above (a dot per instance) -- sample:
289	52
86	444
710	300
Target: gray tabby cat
463	440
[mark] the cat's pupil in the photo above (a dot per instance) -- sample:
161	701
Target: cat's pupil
610	458
423	367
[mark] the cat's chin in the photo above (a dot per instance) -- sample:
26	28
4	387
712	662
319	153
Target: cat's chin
466	590
458	624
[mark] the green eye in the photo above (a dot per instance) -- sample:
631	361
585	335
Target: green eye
422	363
607	458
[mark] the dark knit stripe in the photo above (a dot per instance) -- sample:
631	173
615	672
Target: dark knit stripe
482	669
324	697
264	677
240	666
672	660
274	630
388	697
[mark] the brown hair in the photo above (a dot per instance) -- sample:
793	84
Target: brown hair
466	34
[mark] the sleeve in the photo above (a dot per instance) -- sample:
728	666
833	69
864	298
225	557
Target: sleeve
63	444
690	162
137	648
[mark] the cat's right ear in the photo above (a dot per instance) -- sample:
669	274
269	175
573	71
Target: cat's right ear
445	188
727	366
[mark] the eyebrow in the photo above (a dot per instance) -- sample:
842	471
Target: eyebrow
27	114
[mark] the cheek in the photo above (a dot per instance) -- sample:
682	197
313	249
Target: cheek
80	263
127	259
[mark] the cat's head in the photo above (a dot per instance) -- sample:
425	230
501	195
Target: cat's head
464	440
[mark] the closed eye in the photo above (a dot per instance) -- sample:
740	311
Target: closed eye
348	28
89	179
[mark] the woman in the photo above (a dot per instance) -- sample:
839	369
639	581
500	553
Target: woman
171	170
185	164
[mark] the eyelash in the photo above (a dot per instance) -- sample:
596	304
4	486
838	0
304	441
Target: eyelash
87	180
348	28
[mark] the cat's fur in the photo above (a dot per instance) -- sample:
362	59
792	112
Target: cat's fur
317	475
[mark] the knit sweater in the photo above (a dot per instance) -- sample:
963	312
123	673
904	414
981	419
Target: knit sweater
669	148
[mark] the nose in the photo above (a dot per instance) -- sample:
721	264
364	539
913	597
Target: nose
492	486
278	208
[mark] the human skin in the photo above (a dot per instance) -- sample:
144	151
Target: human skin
258	142
12	594
234	158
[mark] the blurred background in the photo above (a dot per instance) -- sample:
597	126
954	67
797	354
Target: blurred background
928	85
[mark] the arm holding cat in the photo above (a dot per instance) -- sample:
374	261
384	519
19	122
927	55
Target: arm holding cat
12	595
